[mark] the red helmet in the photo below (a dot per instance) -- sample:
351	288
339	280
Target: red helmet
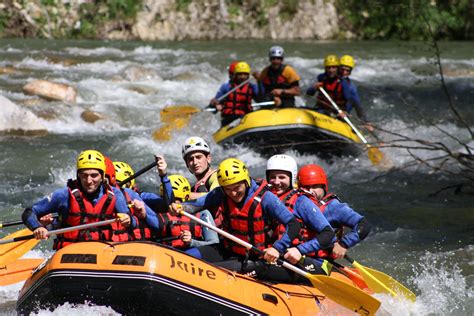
311	175
110	171
232	67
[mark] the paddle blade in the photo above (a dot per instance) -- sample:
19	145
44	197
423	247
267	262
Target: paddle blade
170	113
12	251
380	282
162	134
18	271
346	295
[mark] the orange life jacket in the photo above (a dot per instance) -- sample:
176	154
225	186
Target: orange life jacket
239	102
246	223
273	79
172	226
333	87
81	211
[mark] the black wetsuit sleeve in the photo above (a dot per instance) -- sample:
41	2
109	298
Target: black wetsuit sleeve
326	238
293	228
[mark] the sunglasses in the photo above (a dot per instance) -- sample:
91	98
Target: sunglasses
274	58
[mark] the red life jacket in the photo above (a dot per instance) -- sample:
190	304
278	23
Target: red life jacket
81	211
246	223
239	102
203	184
333	87
142	232
273	79
305	234
172	226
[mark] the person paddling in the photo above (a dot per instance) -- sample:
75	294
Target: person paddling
313	180
280	82
87	199
190	233
247	208
147	221
316	233
239	102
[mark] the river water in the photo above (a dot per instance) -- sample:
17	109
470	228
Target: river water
420	237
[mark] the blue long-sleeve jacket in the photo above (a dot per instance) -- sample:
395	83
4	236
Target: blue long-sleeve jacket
156	202
58	202
340	214
351	95
272	208
312	217
151	219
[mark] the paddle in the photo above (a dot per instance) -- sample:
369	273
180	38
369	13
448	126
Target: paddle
14	223
59	231
137	174
336	290
177	116
375	155
18	271
380	282
254	105
9	252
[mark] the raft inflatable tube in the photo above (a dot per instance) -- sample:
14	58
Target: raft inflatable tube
277	130
143	278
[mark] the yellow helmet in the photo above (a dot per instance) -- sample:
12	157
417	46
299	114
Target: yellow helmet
231	171
91	159
242	67
347	61
331	61
122	172
180	185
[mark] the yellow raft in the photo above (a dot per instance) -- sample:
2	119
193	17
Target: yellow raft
278	130
143	278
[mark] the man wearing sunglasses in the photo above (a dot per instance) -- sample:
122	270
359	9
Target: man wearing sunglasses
280	82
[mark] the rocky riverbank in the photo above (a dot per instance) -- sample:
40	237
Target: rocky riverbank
171	20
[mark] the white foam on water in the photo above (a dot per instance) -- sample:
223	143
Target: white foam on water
85	309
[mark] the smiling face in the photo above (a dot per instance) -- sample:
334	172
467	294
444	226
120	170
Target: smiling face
236	191
198	162
276	62
90	179
280	181
332	71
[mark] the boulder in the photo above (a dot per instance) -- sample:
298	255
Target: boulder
51	90
8	70
17	121
91	116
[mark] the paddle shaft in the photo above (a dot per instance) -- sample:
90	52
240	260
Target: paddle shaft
253	105
137	174
8	224
244	243
14	223
222	97
61	231
348	121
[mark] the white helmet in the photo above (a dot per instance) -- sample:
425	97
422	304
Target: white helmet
194	143
276	51
285	163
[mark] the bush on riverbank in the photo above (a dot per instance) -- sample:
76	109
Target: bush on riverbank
404	19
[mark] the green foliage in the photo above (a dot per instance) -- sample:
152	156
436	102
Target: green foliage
182	5
405	19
